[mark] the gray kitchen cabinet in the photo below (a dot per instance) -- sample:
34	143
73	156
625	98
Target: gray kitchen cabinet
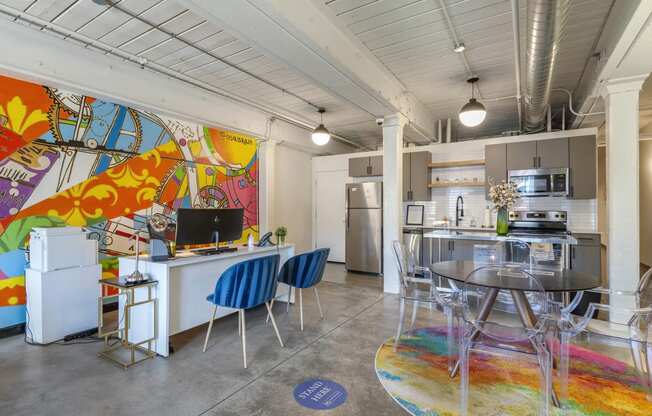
420	176
521	155
366	166
585	257
416	176
358	166
495	165
583	170
406	176
552	153
376	165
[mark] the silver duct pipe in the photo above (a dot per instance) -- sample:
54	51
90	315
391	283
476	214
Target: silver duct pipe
546	21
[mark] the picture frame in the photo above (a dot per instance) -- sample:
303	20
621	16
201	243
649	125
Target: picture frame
414	215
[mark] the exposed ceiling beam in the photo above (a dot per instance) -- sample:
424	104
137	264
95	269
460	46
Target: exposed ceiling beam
624	50
308	40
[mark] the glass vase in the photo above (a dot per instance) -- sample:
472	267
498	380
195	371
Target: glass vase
502	225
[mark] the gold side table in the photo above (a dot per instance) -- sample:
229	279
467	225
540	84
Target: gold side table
128	290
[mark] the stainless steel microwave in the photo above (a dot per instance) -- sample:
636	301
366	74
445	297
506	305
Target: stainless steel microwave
541	182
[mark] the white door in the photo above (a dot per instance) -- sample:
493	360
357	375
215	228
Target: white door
330	212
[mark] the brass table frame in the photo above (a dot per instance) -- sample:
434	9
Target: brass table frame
123	333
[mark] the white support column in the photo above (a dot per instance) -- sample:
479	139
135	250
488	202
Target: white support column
623	252
392	196
267	156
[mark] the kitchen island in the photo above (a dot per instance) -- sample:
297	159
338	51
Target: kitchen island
490	235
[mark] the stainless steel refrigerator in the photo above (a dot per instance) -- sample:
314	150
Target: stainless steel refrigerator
364	227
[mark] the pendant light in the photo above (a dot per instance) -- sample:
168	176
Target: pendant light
473	113
321	136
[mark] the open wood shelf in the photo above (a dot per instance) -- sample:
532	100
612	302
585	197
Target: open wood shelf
456	164
455	184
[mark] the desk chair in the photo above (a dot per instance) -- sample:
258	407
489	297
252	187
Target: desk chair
303	272
243	286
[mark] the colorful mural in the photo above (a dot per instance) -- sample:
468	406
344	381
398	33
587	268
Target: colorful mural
68	159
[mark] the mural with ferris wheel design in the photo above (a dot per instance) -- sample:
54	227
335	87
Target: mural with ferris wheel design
70	159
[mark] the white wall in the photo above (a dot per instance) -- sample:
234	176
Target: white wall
293	195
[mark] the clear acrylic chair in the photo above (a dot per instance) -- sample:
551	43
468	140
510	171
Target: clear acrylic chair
423	288
633	330
511	330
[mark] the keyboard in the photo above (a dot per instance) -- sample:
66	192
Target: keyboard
211	251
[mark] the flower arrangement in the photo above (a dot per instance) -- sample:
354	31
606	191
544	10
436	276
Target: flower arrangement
503	195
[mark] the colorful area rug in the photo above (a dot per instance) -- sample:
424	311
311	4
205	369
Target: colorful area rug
416	377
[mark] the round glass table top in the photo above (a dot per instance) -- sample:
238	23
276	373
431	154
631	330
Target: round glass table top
509	277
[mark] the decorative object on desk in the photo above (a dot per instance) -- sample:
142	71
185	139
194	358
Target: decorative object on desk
503	196
280	234
161	231
414	215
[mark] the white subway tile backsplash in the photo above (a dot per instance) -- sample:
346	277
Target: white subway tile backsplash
582	214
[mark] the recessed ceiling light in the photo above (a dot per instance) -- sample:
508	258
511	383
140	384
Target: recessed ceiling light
459	47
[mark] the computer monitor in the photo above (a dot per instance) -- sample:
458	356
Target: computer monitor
197	226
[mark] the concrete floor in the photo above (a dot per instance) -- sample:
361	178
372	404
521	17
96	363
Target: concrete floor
67	380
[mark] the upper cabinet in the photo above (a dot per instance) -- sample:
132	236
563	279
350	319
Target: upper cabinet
366	166
576	153
552	153
416	176
583	167
537	154
495	158
521	155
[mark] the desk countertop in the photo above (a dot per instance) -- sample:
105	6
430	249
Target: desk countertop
185	258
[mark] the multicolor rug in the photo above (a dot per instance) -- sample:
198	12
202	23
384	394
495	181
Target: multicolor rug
416	377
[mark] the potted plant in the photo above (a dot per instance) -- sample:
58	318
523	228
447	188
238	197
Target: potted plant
280	234
503	196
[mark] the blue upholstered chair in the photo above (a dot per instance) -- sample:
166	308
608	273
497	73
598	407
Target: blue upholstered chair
246	285
303	272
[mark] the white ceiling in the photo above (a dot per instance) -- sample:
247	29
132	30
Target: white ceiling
409	37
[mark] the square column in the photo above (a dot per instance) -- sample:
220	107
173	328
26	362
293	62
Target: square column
392	197
266	160
622	130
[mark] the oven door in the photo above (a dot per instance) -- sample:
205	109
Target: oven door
531	182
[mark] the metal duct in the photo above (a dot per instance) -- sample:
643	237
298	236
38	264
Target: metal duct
546	22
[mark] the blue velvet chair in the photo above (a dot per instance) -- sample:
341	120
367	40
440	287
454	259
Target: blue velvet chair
246	285
303	272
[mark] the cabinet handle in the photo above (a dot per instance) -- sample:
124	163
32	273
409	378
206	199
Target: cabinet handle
368	170
534	161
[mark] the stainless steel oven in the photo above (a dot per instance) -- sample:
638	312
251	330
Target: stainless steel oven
541	182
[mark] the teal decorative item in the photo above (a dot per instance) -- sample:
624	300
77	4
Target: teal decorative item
502	227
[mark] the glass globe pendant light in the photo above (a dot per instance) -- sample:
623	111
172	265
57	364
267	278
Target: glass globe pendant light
321	136
472	113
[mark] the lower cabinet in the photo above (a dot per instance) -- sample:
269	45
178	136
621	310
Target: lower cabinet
585	257
454	249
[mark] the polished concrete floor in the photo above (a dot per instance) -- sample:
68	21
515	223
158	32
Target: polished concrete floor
72	380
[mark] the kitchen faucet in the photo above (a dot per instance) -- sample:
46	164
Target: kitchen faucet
459	210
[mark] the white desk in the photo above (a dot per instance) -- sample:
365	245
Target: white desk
183	284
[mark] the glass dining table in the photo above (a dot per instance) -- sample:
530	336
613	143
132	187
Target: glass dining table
499	279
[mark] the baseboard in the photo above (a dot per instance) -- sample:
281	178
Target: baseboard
11	331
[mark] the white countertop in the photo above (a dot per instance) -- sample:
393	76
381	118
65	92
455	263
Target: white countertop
485	236
184	258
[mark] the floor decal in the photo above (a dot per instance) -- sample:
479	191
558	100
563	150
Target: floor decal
320	394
